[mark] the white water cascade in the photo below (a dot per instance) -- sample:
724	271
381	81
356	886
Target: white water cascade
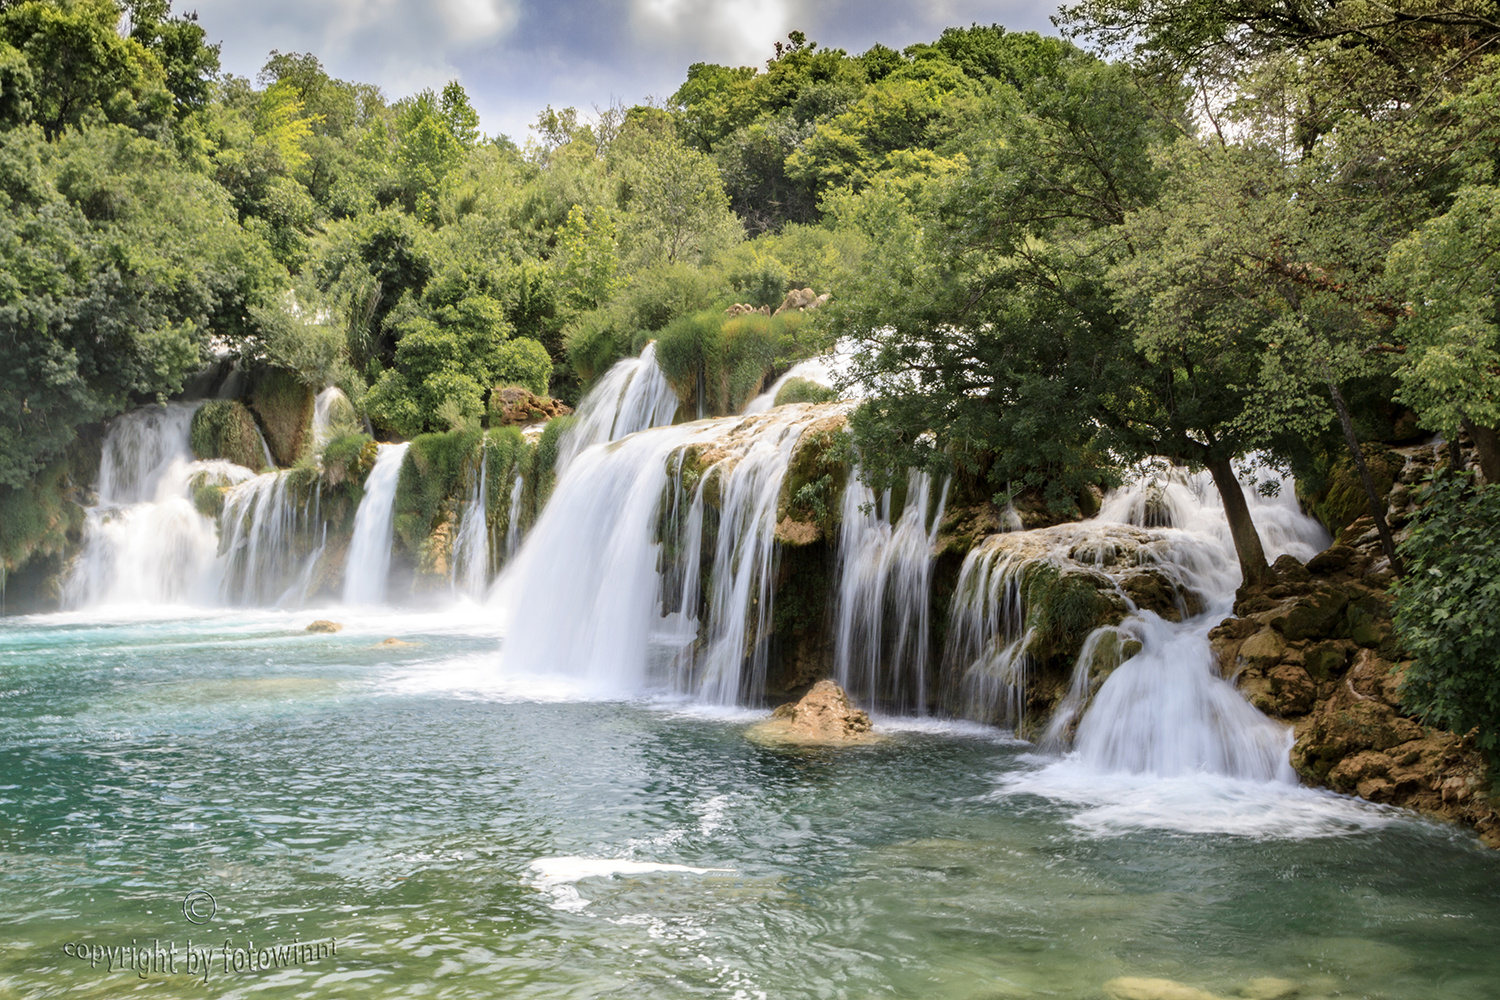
884	581
632	396
145	541
370	549
604	590
270	540
471	542
331	411
1164	711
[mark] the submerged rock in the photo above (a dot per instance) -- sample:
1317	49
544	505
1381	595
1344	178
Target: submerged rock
393	641
1137	988
824	717
322	625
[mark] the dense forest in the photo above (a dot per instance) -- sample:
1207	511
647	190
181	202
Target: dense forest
1196	231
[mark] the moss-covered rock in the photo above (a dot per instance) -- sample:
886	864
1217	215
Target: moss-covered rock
284	407
1342	497
224	428
810	503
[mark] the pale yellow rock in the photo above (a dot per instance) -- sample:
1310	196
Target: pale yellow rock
1136	988
393	641
1269	988
823	717
324	626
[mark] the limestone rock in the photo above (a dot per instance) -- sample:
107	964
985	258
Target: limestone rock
515	405
322	625
800	299
741	308
394	642
1137	988
824	717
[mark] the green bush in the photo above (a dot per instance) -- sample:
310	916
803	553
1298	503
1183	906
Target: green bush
1447	609
651	300
544	465
803	390
224	428
523	362
735	356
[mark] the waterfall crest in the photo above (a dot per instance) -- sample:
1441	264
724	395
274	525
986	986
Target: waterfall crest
632	396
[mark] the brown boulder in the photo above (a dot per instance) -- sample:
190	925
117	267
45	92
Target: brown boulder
824	717
322	625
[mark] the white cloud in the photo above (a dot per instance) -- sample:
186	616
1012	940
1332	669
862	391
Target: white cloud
730	31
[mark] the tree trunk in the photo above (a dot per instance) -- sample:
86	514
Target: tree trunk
1372	496
1487	443
1253	565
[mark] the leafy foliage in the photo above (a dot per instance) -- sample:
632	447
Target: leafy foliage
1447	609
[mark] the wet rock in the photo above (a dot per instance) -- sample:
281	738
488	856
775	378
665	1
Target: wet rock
1269	988
1316	616
1325	659
1136	988
1262	650
1292	690
824	717
322	625
394	642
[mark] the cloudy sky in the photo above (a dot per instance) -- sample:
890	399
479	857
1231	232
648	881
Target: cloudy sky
516	56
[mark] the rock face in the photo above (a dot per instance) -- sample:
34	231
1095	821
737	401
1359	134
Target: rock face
800	299
823	717
514	405
1316	647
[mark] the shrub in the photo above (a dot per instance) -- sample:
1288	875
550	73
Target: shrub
734	356
523	362
1447	609
804	390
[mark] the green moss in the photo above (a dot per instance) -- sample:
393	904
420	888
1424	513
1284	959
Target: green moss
1342	499
432	481
544	463
816	477
284	407
1063	608
225	429
803	390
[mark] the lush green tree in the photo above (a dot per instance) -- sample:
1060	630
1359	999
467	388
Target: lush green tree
678	211
77	65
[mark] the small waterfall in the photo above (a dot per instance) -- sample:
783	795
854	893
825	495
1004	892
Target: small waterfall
605	589
471	548
885	578
1165	710
145	542
267	533
513	530
826	370
331	410
632	396
369	559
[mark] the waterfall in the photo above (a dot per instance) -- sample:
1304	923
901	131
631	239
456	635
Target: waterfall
331	410
145	542
826	370
369	559
471	545
1165	710
513	530
604	590
266	533
884	582
632	396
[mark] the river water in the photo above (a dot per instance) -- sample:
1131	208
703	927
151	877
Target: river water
412	821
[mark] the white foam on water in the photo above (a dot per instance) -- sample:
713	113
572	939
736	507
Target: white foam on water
557	876
1115	804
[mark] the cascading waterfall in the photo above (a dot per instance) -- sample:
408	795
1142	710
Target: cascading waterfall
592	592
331	409
369	559
632	396
885	578
144	541
270	541
471	545
1165	710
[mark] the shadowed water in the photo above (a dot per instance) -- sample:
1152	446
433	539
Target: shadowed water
462	832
